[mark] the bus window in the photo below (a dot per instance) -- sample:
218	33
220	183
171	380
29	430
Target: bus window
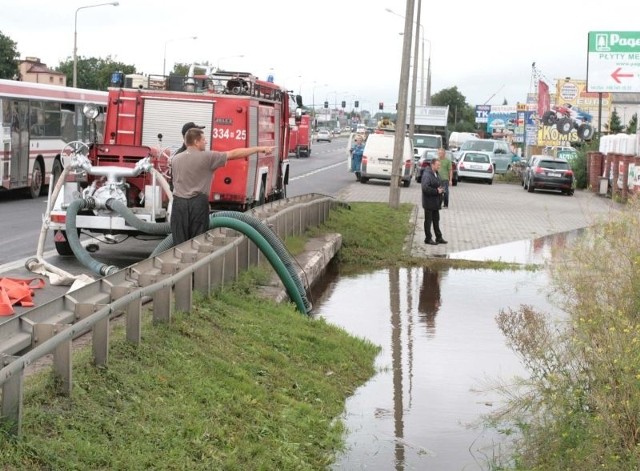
36	119
52	119
68	125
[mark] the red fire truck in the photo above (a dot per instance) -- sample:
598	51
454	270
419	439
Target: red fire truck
300	141
237	110
128	173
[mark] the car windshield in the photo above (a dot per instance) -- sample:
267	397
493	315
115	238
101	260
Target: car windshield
429	155
432	142
554	164
476	158
478	144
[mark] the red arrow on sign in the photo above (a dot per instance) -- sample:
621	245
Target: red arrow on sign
616	74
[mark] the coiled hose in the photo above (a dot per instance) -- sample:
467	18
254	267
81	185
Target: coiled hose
79	251
88	203
154	228
266	240
275	242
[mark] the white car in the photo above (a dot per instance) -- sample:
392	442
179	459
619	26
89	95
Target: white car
323	135
476	165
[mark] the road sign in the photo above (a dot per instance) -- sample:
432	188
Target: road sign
613	62
482	113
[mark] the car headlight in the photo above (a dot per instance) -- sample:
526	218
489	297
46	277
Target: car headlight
91	110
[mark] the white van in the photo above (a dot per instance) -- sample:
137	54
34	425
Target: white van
456	139
377	158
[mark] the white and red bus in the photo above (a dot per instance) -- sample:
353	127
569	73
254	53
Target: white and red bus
36	122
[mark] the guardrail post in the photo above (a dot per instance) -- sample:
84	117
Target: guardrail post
133	312
182	287
61	354
12	395
99	332
202	275
161	298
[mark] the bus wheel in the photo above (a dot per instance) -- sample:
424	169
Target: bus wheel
36	180
56	172
62	243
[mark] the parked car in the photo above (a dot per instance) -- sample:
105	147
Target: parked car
425	159
501	155
323	135
548	173
476	166
423	162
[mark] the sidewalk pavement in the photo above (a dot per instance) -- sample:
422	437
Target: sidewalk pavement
481	215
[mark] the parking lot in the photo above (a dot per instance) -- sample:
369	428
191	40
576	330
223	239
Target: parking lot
481	215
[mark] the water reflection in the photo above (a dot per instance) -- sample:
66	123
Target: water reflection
537	250
429	300
414	413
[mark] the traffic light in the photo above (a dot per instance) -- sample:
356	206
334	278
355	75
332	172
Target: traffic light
344	104
396	107
381	106
357	104
326	104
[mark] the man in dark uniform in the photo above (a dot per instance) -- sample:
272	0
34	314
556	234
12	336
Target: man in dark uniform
431	194
185	128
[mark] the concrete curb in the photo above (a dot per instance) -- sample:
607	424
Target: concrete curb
312	263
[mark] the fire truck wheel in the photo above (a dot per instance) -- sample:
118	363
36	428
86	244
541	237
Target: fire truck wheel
36	180
55	172
62	247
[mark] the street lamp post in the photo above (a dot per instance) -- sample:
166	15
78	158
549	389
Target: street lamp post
401	117
414	80
164	57
428	101
428	76
75	38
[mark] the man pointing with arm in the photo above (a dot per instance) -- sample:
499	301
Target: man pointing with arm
192	172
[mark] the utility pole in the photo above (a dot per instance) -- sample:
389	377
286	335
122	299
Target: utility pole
401	122
414	80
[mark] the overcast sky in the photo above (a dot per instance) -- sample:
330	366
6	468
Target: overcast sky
331	49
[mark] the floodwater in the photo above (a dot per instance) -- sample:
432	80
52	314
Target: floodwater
441	350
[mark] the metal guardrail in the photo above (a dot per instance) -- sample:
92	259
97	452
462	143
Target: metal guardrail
168	279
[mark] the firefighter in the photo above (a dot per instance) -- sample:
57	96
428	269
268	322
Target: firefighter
185	128
192	172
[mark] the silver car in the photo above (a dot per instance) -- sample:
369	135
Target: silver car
323	135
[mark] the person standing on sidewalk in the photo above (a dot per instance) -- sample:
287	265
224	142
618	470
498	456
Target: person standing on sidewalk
432	192
446	175
356	155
